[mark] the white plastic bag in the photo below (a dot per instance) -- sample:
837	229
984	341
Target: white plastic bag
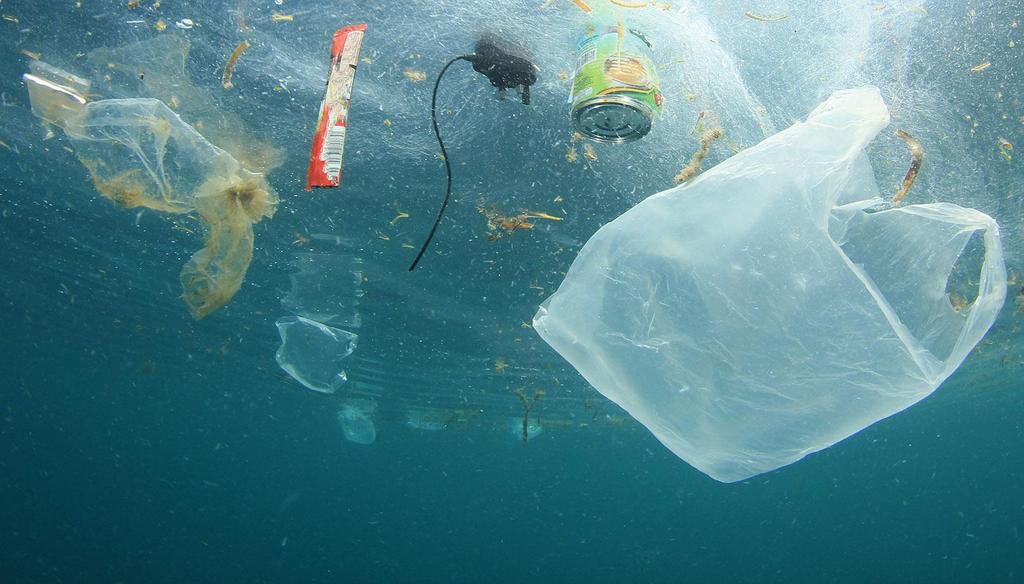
763	311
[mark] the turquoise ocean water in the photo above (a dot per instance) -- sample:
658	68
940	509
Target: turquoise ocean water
140	445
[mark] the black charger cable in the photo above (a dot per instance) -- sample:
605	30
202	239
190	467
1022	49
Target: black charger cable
504	71
447	164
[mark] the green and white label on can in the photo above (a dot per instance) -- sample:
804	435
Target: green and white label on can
615	93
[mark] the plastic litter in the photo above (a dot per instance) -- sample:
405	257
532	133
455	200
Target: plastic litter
326	288
773	305
329	140
140	153
163	60
356	419
124	143
312	352
428	419
55	94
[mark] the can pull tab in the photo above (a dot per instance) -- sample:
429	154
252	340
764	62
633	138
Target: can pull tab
503	69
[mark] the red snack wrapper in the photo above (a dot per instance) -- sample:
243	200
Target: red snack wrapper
329	140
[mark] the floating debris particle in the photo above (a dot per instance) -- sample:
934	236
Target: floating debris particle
160	25
981	67
571	154
582	6
588	152
278	17
500	225
563	74
766	17
528	405
31	54
387	122
367	60
133	4
692	168
1005	147
672	63
229	68
415	76
179	227
957	301
917	154
541	215
699	125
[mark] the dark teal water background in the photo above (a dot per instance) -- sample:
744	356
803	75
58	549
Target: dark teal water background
198	478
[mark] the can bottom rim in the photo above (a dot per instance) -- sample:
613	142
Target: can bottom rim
613	119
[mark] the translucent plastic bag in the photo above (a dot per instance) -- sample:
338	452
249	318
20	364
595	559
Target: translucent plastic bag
767	309
356	418
170	167
141	154
312	352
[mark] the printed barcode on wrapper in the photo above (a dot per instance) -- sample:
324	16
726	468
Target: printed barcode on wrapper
331	154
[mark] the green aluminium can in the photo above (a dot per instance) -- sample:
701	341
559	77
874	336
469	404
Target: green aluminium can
615	92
